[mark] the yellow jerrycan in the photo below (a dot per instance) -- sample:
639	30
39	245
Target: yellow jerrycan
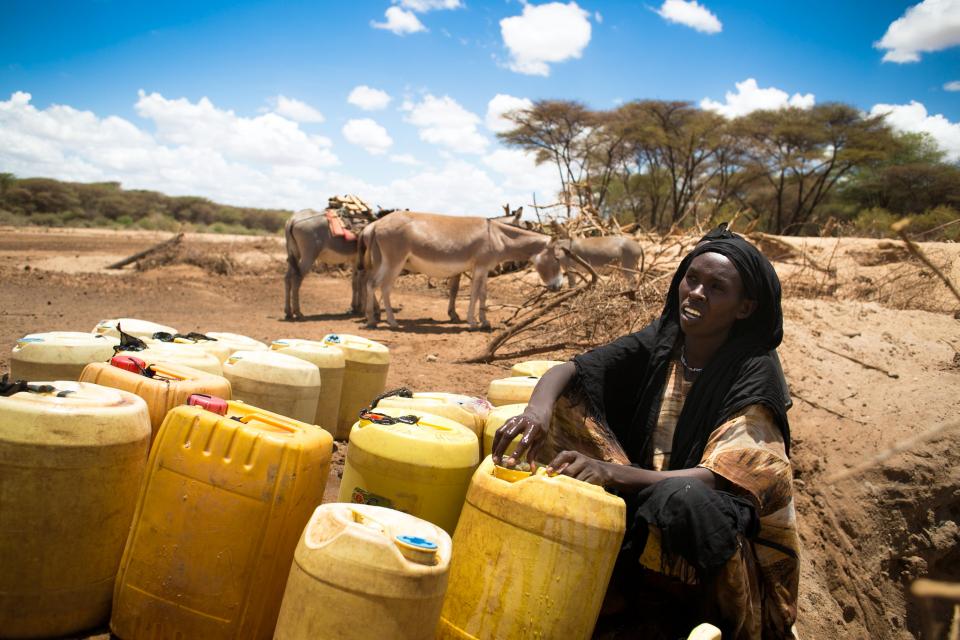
330	362
236	342
162	386
495	420
532	556
58	355
512	390
228	489
276	382
71	458
534	368
142	329
185	355
364	572
364	376
413	462
469	411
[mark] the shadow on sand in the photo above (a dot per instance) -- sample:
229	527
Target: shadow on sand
423	326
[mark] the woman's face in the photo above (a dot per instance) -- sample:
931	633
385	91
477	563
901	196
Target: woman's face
711	296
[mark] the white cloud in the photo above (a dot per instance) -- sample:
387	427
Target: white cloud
458	188
444	122
598	17
399	22
68	144
295	109
499	105
691	14
268	138
913	118
750	97
932	25
422	6
953	85
545	34
368	98
197	149
405	158
519	172
366	133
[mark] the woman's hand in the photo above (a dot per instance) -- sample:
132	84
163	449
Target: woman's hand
533	423
533	428
577	465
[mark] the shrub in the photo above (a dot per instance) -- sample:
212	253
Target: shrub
939	223
875	222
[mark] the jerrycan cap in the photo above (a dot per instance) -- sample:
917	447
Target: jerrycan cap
131	364
417	549
208	402
511	475
332	337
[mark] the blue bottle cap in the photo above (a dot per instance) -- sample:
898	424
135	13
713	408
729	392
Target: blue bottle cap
417	541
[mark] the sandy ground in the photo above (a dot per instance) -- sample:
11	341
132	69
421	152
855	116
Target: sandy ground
871	353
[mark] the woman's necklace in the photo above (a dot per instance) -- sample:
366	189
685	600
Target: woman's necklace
683	361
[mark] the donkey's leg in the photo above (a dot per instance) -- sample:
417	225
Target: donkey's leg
452	307
373	274
288	281
308	256
484	281
386	286
358	287
630	268
479	279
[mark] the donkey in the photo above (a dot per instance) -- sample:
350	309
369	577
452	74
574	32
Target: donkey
602	251
309	239
443	247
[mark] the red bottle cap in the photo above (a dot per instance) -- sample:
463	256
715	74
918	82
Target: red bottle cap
210	403
129	363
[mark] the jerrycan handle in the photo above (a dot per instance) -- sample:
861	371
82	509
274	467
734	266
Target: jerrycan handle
368	521
208	402
159	369
270	421
131	364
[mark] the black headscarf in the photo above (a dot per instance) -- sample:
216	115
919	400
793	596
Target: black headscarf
623	381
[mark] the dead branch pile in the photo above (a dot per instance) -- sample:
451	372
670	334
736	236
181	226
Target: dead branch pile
215	262
568	322
225	259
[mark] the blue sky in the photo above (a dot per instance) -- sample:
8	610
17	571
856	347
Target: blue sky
247	102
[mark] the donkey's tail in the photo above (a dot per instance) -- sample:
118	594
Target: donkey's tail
363	243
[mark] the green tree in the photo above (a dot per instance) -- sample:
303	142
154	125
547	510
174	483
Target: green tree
803	154
554	130
915	178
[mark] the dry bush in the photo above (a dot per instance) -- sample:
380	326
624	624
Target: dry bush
589	315
217	259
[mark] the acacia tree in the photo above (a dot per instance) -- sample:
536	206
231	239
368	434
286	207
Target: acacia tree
802	154
916	178
685	156
554	130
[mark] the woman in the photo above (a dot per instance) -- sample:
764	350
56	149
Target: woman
686	419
